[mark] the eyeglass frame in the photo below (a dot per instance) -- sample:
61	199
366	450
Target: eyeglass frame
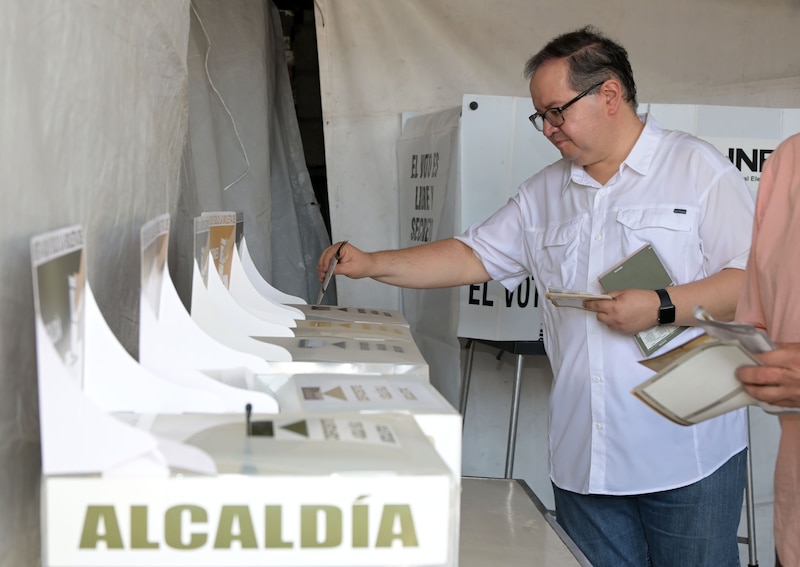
559	110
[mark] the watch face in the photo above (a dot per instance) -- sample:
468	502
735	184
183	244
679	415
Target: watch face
666	313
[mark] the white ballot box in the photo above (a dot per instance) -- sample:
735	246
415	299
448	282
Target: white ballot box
343	490
340	355
220	241
141	470
172	342
324	393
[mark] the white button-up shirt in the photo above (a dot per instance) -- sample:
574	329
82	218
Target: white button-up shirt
684	197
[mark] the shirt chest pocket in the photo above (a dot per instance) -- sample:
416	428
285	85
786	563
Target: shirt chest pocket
553	252
673	232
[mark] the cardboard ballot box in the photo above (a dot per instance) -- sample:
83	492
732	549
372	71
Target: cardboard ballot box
339	490
138	470
322	393
341	355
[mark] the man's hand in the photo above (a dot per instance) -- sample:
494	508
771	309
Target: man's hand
443	263
631	310
778	381
353	263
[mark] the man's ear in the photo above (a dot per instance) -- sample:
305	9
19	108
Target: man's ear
611	93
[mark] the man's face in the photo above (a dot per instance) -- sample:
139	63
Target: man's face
576	137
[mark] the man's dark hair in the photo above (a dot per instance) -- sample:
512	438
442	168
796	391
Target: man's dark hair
591	57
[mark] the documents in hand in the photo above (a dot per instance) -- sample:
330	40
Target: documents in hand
643	270
569	298
697	380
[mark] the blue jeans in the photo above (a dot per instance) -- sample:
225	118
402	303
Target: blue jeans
692	526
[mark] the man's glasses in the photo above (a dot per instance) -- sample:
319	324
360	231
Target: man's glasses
555	116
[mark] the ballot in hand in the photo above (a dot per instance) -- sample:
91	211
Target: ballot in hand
561	297
329	274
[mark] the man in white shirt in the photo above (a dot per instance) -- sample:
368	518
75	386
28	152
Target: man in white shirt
631	488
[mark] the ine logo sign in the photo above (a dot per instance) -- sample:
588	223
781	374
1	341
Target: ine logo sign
748	155
751	159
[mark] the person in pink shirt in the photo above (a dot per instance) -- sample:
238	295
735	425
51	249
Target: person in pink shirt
769	301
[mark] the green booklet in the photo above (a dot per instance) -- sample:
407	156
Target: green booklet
643	270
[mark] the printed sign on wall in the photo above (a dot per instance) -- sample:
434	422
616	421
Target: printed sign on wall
424	154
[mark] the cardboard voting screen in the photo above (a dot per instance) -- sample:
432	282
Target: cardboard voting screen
173	345
78	435
221	244
218	313
263	286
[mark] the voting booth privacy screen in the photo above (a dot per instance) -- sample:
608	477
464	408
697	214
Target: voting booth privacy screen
457	166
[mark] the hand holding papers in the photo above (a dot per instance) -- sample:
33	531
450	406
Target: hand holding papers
569	298
640	270
697	381
329	275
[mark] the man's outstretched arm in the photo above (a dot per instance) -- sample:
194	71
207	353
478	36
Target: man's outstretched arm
444	263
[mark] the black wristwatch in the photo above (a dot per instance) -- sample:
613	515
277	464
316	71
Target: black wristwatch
666	313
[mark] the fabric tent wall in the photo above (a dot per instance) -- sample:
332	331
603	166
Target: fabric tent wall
95	104
379	59
244	151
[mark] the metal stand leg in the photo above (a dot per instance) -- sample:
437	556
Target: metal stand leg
750	505
465	379
512	426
